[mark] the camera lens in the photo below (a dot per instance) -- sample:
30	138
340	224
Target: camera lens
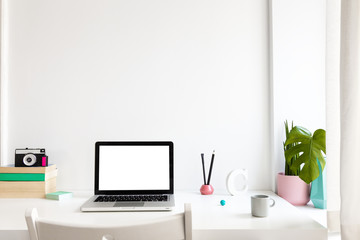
29	160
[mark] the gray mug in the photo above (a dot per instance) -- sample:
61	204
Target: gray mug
260	205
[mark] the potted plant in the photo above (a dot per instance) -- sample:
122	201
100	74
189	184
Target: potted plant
304	161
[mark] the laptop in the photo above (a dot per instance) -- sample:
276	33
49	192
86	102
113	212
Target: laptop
133	176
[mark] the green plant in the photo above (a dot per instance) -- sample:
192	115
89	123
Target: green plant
288	170
305	151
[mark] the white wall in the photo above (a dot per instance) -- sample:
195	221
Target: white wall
193	71
298	70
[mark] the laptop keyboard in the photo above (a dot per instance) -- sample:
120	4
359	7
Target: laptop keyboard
132	198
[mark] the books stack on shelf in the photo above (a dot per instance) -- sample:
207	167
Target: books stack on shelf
27	182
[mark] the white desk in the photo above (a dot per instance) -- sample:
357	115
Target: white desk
210	219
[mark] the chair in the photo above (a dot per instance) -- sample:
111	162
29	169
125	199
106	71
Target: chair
178	226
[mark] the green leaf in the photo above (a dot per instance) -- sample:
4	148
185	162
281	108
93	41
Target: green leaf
288	162
320	139
310	148
298	134
297	163
291	152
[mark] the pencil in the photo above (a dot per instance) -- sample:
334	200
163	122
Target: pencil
203	166
211	165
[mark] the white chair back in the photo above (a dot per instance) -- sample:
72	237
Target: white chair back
173	227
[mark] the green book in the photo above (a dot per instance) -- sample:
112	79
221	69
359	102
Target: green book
27	176
59	195
22	176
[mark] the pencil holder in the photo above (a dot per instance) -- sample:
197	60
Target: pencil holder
206	190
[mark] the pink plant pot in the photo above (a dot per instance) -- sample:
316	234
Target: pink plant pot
293	189
206	190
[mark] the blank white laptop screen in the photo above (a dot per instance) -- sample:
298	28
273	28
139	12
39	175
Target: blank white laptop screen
134	168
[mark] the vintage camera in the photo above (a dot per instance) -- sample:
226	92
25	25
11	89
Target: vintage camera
31	157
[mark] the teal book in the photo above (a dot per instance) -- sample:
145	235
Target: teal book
22	177
59	195
27	176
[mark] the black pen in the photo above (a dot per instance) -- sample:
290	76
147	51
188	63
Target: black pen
211	165
203	166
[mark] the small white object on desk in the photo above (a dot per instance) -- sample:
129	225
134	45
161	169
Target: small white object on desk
230	182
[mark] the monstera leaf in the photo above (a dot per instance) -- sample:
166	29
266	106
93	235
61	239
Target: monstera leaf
310	147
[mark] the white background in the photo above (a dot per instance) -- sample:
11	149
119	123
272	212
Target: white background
134	168
196	72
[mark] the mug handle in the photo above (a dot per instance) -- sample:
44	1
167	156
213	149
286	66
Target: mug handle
273	202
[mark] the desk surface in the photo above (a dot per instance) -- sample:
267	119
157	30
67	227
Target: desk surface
210	219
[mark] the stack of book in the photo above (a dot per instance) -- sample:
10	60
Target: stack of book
27	182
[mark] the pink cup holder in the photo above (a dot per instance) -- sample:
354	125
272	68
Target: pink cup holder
206	190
